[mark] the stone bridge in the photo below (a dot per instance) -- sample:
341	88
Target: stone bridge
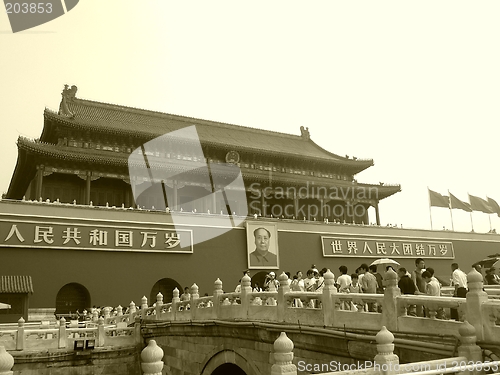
235	333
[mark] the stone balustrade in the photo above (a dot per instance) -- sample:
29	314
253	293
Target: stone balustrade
385	362
70	336
338	310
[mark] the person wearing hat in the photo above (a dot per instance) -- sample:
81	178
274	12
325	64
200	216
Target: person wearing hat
261	256
271	280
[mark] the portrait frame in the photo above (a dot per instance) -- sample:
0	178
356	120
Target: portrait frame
272	228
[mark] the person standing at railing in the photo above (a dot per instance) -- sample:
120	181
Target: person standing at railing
459	281
420	285
344	281
407	286
490	277
434	290
310	285
270	282
186	296
310	281
495	274
296	286
356	288
369	285
380	283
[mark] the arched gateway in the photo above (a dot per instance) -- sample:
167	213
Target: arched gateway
72	297
229	362
166	287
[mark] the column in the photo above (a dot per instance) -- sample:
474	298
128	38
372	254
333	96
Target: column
127	198
29	191
295	205
262	203
377	213
39	180
174	203
87	189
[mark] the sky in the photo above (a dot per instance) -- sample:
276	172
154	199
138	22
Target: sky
413	85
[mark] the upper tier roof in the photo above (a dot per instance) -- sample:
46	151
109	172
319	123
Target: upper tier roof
143	124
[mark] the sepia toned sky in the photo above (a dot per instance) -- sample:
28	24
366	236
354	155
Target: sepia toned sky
414	85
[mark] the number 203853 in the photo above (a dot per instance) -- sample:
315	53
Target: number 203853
26	8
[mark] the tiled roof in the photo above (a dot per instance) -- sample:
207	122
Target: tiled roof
121	159
16	284
148	124
72	153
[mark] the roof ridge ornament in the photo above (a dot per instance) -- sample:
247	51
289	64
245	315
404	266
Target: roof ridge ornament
68	95
304	133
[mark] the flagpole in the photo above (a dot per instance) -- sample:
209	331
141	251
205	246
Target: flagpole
471	222
451	214
429	198
489	217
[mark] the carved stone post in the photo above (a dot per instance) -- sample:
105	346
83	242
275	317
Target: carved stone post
137	329
6	362
391	295
193	304
283	289
468	347
132	309
107	312
175	302
119	311
217	292
475	298
386	360
20	334
151	359
283	356
158	305
144	306
101	335
95	315
63	338
246	289
328	305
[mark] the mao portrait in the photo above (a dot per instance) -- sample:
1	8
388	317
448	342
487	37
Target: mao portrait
262	245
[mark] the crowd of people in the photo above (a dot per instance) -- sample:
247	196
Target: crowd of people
367	279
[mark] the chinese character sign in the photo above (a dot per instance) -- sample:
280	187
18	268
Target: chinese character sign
389	247
83	236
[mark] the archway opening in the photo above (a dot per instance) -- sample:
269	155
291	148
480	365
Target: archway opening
71	298
258	279
166	287
228	369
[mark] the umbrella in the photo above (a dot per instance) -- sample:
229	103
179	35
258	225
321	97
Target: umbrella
384	261
491	261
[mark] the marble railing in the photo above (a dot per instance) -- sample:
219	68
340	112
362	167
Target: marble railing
339	310
470	359
63	335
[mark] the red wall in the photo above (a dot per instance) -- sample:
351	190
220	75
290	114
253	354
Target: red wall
118	277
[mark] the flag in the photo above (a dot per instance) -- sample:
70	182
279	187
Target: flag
479	204
457	203
494	205
438	200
